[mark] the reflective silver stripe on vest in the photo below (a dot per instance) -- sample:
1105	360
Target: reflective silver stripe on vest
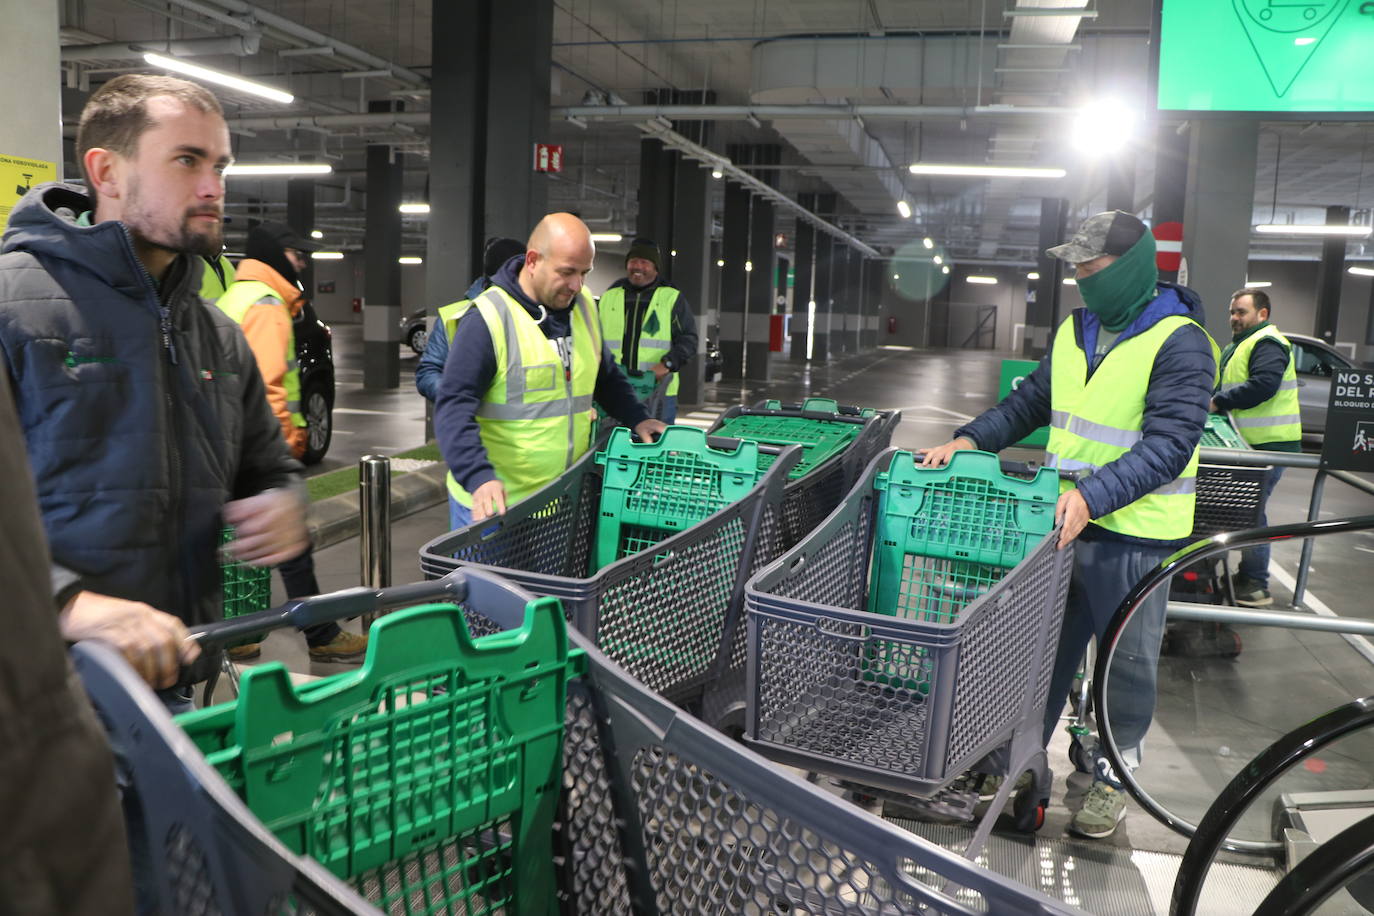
1097	432
1288	385
515	363
655	342
1177	487
542	410
1069	464
1280	420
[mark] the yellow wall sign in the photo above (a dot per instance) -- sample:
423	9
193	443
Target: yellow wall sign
17	175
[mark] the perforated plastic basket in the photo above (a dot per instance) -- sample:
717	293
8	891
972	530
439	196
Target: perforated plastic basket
1219	433
246	588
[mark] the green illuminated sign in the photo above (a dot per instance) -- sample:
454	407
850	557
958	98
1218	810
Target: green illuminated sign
1266	55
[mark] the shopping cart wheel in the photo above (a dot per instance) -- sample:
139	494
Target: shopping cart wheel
1082	759
1028	809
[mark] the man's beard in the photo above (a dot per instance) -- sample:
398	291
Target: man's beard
207	244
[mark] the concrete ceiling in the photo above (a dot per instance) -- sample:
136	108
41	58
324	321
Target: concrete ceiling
937	55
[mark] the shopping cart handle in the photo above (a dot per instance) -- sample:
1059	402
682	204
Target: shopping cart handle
729	444
349	602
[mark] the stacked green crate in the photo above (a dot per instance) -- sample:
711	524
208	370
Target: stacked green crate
819	438
429	777
1219	433
245	588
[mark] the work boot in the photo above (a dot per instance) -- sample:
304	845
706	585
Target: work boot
343	647
1250	593
245	652
1103	808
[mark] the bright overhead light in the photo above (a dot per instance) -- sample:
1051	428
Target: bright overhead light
985	171
407	259
985	281
1070	281
1357	271
327	255
222	79
606	236
1261	284
928	242
748	266
414	208
1032	276
717	173
1104	127
316	234
279	168
673	253
904	209
720	263
938	260
896	276
945	269
1313	229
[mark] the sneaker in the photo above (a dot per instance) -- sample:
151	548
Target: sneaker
342	647
1102	810
245	652
1252	594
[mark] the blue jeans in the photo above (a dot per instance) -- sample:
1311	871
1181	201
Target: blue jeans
669	412
1103	572
1254	561
459	515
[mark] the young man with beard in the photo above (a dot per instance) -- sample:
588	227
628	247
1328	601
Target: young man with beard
144	415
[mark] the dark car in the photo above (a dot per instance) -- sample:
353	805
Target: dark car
415	330
711	366
315	356
1315	362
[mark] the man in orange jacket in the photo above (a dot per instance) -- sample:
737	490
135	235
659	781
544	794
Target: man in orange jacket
264	298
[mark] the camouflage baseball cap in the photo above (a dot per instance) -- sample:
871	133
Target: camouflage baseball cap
1113	232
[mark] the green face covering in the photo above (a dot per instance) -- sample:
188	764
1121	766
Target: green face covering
1119	292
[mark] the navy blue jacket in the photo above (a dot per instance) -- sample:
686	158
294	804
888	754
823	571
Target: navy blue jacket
1175	408
142	407
431	366
471	368
1268	360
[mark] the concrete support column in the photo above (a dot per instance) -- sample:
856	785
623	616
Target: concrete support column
1042	315
734	279
300	215
1171	179
805	247
823	290
841	299
658	167
1329	277
382	273
763	258
32	95
1217	213
520	52
875	272
855	274
693	266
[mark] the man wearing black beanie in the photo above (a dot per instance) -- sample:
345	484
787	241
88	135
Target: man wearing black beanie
648	324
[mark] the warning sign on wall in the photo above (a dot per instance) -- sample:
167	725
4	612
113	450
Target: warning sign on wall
1348	444
17	175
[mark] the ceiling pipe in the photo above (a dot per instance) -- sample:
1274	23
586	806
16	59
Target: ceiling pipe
241	45
775	112
311	37
337	121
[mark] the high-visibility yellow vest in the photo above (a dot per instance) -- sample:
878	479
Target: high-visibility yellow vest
652	346
1277	419
449	315
214	282
236	301
1094	421
535	419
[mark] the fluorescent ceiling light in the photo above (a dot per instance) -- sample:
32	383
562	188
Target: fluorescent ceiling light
938	260
1032	276
1261	284
414	208
606	236
720	263
673	253
1070	281
748	266
986	281
1313	229
1104	127
327	255
316	234
904	209
944	269
927	242
279	168
407	259
985	171
717	173
896	276
1357	271
223	79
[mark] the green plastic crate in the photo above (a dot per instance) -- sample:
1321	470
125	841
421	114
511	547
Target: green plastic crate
429	777
1219	433
819	439
245	588
650	491
947	535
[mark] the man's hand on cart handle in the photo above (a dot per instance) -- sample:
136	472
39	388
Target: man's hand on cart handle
155	644
489	499
939	456
660	371
1073	512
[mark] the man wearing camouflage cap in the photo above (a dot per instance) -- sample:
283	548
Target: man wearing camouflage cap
1125	390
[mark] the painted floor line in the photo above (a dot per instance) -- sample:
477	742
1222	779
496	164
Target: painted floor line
1359	643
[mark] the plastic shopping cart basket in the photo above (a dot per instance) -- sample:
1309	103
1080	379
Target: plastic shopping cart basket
1221	433
639	809
911	637
670	531
837	441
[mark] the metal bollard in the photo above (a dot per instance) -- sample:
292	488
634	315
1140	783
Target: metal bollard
374	503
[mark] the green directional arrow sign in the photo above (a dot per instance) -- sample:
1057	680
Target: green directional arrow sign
1286	33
